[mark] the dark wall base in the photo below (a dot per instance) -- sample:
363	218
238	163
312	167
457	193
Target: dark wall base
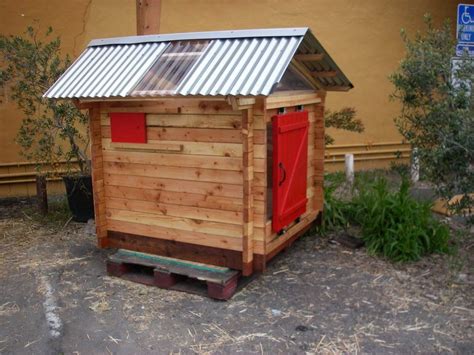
186	251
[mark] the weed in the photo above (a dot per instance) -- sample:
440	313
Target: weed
395	225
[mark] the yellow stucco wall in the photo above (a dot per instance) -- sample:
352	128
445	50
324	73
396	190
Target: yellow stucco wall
362	36
76	22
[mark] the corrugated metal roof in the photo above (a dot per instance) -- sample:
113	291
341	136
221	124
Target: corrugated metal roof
246	62
107	71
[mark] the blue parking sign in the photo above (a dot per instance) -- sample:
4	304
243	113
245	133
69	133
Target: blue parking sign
462	48
465	24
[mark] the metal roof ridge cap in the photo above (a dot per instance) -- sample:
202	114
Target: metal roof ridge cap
250	33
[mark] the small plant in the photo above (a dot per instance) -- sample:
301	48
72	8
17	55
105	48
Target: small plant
395	225
52	132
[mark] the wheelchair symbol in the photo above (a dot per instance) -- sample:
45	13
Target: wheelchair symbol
466	18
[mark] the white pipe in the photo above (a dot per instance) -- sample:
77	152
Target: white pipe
349	160
415	166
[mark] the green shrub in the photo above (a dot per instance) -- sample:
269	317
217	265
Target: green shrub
437	110
395	225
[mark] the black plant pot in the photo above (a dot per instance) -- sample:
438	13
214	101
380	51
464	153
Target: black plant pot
79	197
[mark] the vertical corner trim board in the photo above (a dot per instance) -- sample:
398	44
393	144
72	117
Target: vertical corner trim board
98	176
319	147
248	174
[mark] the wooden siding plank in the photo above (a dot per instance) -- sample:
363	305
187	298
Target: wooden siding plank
155	231
191	121
189	148
174	172
188	134
174	105
188	121
171	159
198	187
179	223
163	209
180	198
291	100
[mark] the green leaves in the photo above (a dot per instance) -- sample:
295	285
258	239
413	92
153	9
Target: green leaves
50	130
395	225
344	119
437	114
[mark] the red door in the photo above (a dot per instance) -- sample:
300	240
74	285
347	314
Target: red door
290	167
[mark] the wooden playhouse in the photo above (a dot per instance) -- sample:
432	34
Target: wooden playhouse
206	146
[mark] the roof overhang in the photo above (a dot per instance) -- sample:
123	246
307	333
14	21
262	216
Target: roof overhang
231	63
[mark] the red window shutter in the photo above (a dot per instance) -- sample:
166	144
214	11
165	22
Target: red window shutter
290	167
128	127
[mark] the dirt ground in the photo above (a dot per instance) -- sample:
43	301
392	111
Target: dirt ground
317	297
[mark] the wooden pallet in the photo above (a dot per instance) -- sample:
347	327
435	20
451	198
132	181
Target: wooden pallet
174	274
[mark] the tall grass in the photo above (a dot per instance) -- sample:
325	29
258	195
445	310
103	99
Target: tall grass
395	225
